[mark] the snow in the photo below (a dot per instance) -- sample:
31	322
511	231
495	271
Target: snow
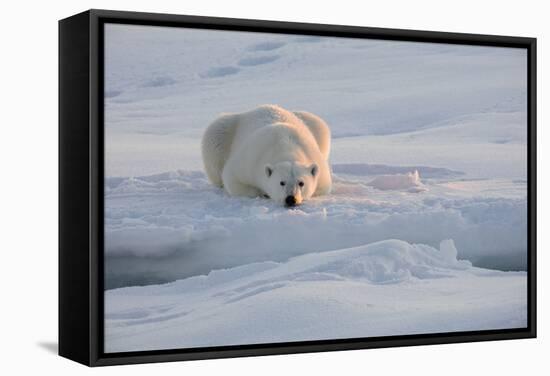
175	225
385	288
429	199
410	181
360	87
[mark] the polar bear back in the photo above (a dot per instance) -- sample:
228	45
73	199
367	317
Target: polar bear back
261	117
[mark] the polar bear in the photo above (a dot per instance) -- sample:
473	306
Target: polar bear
269	152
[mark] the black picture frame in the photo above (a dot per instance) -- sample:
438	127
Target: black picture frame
81	186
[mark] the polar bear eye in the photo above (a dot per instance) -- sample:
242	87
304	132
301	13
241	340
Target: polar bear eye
301	184
283	183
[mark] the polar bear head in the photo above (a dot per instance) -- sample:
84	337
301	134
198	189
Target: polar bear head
289	183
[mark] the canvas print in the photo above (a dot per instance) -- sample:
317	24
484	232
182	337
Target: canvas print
267	188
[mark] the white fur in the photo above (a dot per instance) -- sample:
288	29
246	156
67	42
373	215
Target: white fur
251	153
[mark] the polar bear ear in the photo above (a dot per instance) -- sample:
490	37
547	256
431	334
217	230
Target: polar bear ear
268	170
314	169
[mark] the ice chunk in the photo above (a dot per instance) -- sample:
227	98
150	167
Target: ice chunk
410	180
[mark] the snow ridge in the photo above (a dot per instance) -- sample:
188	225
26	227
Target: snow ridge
175	225
350	292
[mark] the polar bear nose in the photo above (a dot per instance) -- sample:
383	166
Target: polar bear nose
290	200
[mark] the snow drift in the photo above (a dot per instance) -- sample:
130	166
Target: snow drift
410	181
175	225
385	288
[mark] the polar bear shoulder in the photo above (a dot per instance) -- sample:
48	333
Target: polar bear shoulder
318	128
